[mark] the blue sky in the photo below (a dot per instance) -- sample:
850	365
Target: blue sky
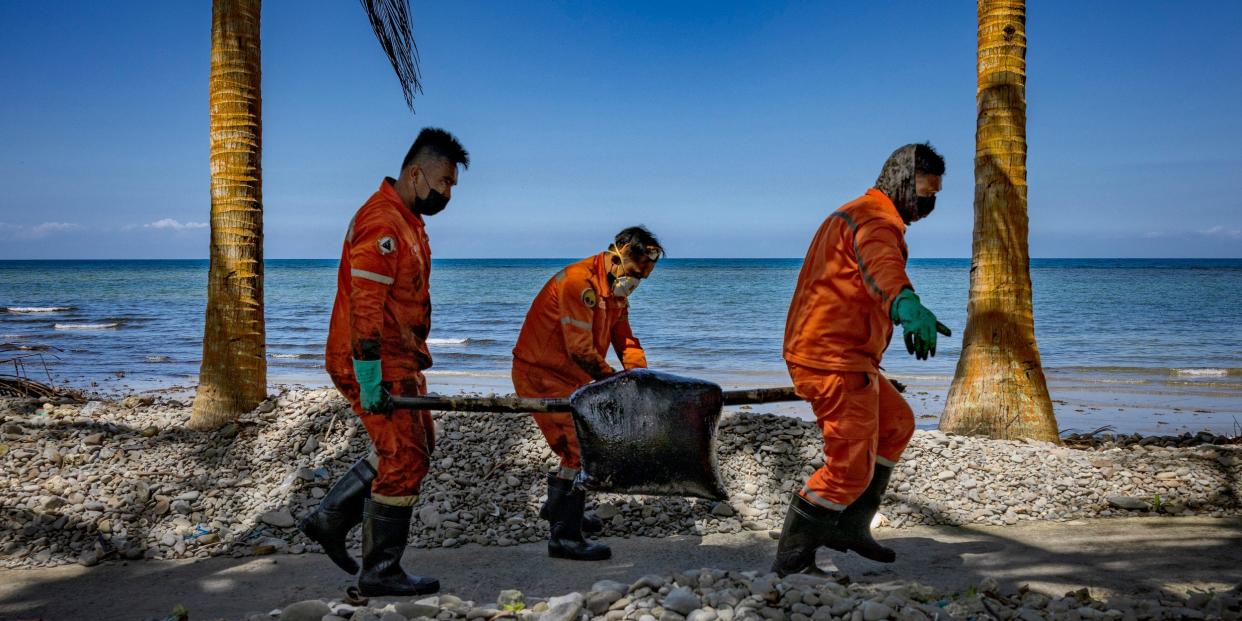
730	129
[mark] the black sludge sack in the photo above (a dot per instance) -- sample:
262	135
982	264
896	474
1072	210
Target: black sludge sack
646	432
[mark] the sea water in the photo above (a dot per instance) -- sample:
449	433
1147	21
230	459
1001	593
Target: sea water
1150	345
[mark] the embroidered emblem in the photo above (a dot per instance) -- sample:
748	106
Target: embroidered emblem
387	245
589	298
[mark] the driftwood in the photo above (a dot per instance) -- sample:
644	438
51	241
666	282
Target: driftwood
14	386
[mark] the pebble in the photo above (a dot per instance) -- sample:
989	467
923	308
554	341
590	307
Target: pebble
248	487
818	599
280	518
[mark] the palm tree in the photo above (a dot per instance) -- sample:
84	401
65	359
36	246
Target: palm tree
233	375
999	388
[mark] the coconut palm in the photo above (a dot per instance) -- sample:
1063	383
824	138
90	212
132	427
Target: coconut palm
999	388
233	375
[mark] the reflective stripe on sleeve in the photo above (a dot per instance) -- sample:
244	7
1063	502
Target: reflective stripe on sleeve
884	461
379	278
585	325
815	499
862	267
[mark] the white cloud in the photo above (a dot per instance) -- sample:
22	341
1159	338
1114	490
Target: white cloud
170	224
1220	231
37	231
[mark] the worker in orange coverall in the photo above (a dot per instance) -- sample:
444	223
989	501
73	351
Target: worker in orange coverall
377	343
852	289
580	312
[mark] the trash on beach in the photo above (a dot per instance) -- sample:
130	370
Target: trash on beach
646	432
640	431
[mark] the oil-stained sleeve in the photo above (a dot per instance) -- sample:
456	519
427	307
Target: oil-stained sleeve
628	349
373	259
879	247
577	301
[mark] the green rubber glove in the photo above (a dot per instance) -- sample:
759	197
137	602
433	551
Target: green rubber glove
369	373
918	323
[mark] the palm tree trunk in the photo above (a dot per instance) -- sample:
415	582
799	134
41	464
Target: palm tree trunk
233	376
999	389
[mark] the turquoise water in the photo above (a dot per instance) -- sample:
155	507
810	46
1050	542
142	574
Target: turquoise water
1148	337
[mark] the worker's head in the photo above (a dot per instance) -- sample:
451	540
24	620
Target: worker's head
631	258
429	171
911	179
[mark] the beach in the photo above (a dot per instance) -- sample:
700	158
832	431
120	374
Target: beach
111	476
111	481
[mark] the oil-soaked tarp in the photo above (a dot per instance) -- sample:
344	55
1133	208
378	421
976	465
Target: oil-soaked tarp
647	432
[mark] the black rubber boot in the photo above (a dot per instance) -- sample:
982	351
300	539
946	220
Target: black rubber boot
591	524
806	526
566	503
339	512
385	529
854	528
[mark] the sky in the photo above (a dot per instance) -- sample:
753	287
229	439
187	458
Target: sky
729	129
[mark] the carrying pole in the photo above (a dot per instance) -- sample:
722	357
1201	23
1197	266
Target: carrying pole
514	403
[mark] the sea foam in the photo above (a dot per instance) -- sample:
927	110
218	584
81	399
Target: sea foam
461	341
36	309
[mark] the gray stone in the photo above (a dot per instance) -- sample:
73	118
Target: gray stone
413	610
307	610
429	516
723	509
610	585
281	518
1127	502
682	601
598	602
702	615
874	611
563	608
651	581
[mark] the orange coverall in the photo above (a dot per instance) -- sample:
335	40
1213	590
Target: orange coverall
383	308
835	335
564	341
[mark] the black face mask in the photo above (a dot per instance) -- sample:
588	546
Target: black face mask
432	205
925	205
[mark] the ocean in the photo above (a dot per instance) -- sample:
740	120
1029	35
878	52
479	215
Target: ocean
1146	345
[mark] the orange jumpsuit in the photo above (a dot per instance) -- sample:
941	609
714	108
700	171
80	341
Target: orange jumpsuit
383	307
563	343
835	335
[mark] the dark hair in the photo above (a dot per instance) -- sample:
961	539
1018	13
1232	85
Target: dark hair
435	142
927	160
638	242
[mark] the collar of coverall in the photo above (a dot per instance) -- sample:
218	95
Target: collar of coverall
890	209
388	188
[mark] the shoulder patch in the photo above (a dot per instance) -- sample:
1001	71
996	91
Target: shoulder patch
589	298
387	244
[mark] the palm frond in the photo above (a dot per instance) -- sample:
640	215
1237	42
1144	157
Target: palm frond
391	21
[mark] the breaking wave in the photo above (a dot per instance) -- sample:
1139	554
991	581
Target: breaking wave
21	310
461	341
86	326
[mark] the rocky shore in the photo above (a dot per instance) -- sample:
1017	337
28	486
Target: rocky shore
712	594
100	481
